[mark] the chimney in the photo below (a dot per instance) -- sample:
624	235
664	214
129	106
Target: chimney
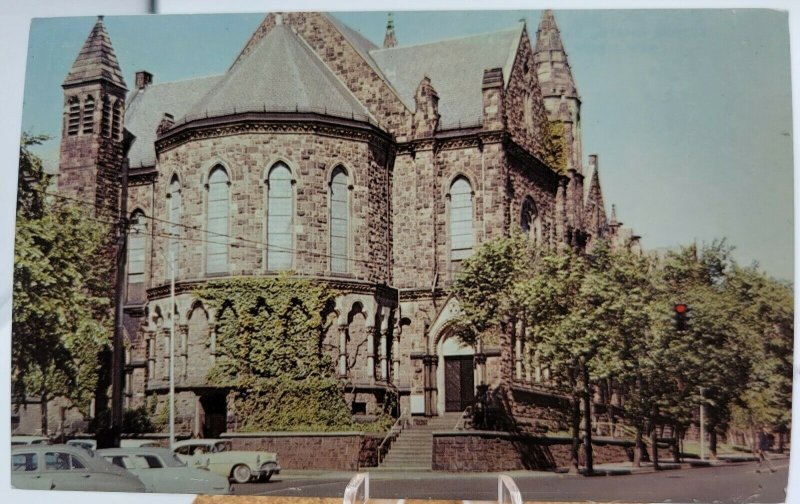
167	122
143	79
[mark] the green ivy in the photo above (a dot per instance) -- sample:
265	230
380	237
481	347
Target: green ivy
269	342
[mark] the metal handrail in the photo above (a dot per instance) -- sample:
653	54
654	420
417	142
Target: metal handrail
503	480
394	431
351	490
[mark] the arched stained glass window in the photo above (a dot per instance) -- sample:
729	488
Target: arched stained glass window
137	243
218	214
174	206
529	219
280	220
462	237
340	221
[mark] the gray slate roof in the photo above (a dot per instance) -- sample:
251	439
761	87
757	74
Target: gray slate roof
96	60
455	68
282	73
147	106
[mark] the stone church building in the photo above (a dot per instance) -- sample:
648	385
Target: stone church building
376	170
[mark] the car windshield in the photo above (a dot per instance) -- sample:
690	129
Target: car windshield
222	446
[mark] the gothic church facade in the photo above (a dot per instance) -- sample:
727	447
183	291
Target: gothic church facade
376	170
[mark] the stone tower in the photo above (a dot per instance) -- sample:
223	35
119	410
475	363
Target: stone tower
92	130
560	94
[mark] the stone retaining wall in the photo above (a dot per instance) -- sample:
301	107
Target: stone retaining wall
313	450
500	451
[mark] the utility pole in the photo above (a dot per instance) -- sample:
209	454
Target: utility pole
118	343
172	350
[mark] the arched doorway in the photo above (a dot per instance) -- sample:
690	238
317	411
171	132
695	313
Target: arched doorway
455	375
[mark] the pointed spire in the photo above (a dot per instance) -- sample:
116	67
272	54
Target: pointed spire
389	40
97	60
613	221
555	75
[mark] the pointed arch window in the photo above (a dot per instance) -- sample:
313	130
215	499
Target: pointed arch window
137	244
88	115
280	212
218	215
73	116
340	221
462	236
174	204
529	219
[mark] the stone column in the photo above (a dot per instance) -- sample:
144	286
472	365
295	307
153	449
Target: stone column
183	330
396	355
212	343
384	357
342	350
526	352
371	352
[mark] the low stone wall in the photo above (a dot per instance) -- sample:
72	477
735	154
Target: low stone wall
312	450
500	451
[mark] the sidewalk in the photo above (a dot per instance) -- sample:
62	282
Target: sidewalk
647	467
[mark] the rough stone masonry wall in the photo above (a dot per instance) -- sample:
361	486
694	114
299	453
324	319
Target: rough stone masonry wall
313	450
341	57
523	85
500	451
530	178
248	158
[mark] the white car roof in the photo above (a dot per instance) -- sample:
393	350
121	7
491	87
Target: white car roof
195	442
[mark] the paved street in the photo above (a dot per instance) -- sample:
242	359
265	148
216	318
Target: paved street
731	483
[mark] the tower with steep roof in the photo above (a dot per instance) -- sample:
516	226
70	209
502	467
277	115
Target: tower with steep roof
92	129
560	94
389	40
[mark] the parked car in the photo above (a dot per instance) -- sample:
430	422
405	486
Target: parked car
29	440
162	471
86	444
139	443
219	457
64	467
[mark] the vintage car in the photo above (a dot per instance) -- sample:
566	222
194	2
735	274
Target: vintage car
219	456
86	444
162	471
64	467
29	440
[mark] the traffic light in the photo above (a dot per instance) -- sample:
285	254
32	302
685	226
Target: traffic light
681	317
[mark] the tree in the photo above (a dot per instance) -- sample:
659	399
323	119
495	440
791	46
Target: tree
60	306
270	334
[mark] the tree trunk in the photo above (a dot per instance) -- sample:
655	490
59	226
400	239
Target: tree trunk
587	418
575	419
780	440
712	441
676	452
654	440
638	448
44	398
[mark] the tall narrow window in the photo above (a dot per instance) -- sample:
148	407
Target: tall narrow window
74	116
88	115
279	218
137	243
175	228
340	221
218	210
116	122
461	234
105	118
529	219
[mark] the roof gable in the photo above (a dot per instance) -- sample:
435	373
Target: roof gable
455	68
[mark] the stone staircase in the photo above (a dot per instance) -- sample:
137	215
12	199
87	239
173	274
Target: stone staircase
413	448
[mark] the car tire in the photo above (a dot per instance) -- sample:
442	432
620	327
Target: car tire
241	473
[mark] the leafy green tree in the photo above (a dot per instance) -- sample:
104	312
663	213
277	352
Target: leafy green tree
270	334
60	307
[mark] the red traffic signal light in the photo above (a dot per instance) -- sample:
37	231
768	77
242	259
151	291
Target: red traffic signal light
681	316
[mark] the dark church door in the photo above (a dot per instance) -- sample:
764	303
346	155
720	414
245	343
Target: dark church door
459	383
216	415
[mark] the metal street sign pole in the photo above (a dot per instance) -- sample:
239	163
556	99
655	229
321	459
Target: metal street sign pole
172	350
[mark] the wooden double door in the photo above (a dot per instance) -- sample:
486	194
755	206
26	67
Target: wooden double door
459	382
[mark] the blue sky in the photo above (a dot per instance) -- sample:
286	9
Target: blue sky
688	110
